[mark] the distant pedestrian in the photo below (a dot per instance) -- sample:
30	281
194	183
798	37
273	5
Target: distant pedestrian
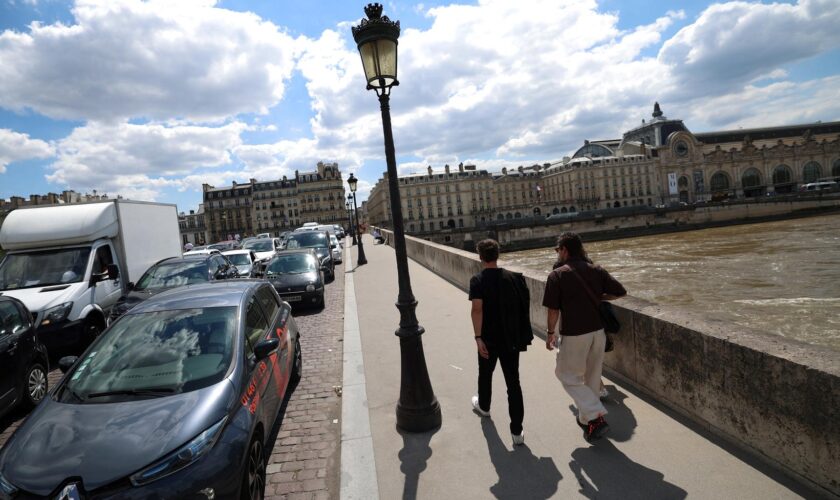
502	329
582	339
188	247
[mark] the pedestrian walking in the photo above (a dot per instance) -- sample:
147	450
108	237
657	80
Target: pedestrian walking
502	329
582	339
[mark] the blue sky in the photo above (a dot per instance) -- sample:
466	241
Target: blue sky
150	99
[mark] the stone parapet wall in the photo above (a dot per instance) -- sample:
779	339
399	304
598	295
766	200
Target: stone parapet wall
775	397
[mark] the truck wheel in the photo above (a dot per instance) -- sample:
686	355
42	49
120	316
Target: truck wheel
91	330
35	385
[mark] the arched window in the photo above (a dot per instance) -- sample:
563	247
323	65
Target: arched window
683	183
500	217
508	216
517	215
555	211
563	210
811	172
572	209
616	204
720	182
751	178
450	223
781	174
835	169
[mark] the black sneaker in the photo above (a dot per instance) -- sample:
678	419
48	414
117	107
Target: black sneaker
596	429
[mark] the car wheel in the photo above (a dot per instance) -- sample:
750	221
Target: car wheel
35	385
253	478
297	368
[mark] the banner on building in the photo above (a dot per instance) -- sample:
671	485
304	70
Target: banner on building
672	183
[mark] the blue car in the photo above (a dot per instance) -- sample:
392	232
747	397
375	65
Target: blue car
177	399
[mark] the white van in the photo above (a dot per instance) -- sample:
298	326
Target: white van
70	263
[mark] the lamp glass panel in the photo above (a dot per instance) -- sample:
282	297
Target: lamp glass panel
387	60
368	53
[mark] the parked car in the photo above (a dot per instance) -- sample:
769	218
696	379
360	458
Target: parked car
245	262
202	251
264	249
225	245
171	273
297	276
335	247
339	231
24	363
318	241
176	399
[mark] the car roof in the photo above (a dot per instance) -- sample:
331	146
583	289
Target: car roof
224	293
309	251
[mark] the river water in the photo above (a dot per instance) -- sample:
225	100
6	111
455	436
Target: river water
780	277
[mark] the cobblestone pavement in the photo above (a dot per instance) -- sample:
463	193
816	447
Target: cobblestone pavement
10	422
305	462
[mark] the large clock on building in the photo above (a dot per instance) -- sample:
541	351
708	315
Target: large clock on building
681	148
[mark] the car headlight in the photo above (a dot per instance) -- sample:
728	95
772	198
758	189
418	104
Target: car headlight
56	314
181	457
7	489
310	288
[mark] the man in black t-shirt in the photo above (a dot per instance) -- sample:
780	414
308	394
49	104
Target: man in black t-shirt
499	317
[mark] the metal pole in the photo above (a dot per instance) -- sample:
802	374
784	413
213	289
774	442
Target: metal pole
417	409
350	216
361	260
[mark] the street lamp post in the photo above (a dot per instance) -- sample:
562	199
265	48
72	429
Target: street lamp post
352	229
350	219
418	409
362	260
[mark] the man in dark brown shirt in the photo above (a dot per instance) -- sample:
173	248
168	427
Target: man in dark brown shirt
581	344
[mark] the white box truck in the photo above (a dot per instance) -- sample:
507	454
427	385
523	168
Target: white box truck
70	263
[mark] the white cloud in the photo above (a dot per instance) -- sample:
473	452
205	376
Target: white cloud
732	43
15	146
156	59
142	158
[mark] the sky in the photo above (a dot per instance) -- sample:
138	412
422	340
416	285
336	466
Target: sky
151	99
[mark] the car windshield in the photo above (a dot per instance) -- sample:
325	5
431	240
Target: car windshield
172	274
306	240
53	267
292	264
155	354
239	259
260	245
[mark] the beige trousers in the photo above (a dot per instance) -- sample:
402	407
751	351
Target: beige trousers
580	359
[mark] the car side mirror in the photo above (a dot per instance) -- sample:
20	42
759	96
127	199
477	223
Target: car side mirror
265	347
67	362
129	286
332	246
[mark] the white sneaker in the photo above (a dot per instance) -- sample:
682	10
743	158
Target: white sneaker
604	393
520	439
478	408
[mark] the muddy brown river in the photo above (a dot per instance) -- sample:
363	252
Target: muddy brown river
779	277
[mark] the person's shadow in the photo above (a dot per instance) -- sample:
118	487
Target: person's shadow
413	456
602	471
621	419
521	474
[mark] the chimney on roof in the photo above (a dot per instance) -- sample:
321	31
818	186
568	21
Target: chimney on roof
504	170
253	181
461	167
657	111
446	168
429	169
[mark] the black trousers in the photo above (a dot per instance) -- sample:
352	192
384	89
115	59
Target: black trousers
510	369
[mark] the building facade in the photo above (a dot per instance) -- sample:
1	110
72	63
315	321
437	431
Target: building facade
192	226
659	162
275	206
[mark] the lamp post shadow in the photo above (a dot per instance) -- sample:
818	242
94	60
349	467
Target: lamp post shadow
414	456
521	474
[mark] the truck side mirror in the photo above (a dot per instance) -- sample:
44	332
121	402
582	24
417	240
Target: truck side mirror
113	271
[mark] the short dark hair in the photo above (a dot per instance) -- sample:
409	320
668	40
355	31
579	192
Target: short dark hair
572	243
488	250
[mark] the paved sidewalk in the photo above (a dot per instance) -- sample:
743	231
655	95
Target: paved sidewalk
649	453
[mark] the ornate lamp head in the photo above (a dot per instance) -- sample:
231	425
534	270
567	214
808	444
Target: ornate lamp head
376	38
